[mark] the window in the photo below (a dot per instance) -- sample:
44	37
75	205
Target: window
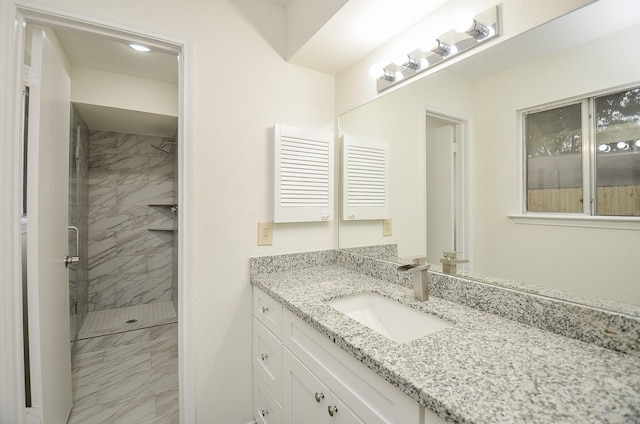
584	157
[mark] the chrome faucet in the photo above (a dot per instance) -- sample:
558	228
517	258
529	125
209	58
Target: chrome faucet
450	261
420	270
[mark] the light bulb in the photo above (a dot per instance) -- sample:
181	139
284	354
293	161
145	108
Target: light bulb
376	71
637	143
622	145
401	60
464	22
604	148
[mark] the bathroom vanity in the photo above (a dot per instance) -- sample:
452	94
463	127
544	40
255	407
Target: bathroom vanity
301	376
314	363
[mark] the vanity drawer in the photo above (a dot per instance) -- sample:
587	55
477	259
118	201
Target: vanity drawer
267	358
266	408
267	311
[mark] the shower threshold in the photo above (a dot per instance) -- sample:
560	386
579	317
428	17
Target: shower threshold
118	320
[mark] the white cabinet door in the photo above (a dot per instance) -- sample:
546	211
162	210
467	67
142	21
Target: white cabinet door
305	397
307	400
339	413
47	233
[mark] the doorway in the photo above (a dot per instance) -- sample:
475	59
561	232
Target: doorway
447	189
179	159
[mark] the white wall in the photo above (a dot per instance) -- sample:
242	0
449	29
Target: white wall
242	86
95	87
590	261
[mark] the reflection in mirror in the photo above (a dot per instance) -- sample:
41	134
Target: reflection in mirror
581	259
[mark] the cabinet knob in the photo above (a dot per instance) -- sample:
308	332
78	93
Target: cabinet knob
264	412
265	309
332	410
319	397
264	356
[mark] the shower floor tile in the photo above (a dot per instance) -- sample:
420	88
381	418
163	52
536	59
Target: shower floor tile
113	321
131	383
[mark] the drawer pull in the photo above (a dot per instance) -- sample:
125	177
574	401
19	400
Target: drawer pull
319	397
264	356
265	309
264	412
332	410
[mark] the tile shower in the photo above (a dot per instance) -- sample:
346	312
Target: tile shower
124	331
130	221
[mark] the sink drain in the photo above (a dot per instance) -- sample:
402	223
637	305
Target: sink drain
131	321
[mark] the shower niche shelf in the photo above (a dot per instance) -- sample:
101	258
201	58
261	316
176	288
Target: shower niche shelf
161	216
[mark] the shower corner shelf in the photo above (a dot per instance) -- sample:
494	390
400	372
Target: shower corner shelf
163	205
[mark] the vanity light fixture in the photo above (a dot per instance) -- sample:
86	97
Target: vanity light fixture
139	48
408	62
442	49
474	30
604	148
379	72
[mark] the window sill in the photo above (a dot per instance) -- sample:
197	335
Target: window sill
578	220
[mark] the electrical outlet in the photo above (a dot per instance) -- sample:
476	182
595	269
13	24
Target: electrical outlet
265	233
386	227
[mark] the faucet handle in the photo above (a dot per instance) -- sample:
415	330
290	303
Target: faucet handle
419	260
450	254
451	258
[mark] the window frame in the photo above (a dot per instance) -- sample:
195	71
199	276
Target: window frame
588	217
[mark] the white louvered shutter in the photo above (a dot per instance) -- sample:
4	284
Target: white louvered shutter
303	163
365	178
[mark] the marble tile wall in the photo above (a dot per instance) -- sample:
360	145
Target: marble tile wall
129	262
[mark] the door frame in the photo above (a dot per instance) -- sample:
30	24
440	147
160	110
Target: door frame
13	15
463	221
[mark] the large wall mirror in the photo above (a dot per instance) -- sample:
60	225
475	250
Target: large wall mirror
457	160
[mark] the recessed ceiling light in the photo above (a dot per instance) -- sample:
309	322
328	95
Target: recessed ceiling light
140	48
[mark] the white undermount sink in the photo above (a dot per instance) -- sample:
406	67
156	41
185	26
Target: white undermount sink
393	320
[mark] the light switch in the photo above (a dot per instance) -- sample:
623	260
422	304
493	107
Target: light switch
265	233
386	227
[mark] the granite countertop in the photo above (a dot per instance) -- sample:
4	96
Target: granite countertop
483	369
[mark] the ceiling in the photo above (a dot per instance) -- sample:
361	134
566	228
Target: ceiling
110	55
349	33
343	38
99	52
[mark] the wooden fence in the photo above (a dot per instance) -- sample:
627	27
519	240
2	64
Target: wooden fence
614	200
